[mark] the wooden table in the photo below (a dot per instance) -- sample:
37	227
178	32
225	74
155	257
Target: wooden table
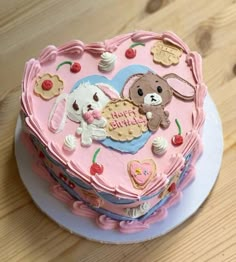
27	26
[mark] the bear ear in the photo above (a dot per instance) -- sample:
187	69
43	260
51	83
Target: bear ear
130	81
108	91
181	88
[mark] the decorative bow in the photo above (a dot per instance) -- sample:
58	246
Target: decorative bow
91	115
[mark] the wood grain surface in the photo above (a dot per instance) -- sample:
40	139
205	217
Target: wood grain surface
26	27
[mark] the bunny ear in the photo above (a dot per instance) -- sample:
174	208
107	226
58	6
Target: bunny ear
108	91
181	88
57	116
129	83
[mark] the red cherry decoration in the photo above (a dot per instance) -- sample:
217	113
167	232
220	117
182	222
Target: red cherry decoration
172	187
130	53
41	155
71	185
75	67
177	140
47	85
62	177
96	169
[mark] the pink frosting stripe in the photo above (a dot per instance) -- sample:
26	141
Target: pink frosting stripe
27	143
153	188
189	177
124	193
194	60
201	91
157	216
175	40
32	123
61	194
79	208
26	101
143	36
95	48
175	198
198	152
48	54
32	68
56	119
57	152
106	223
177	161
198	118
75	47
98	183
132	226
78	169
41	171
191	139
112	44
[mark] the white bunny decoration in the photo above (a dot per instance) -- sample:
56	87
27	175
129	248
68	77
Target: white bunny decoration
83	106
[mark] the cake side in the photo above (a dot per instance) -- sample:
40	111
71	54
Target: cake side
112	183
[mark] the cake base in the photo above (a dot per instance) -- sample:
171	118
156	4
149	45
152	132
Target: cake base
207	169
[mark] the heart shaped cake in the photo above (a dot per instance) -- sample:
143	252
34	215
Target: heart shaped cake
115	126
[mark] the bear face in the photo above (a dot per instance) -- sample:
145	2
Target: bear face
150	89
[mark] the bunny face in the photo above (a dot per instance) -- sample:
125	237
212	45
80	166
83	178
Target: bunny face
85	98
150	89
82	105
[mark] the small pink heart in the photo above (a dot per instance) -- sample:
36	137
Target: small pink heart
141	172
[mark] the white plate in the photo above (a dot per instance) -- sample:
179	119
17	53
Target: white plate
207	170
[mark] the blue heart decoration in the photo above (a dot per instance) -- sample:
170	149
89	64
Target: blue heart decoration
118	83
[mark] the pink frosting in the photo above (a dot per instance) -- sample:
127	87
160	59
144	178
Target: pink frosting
35	127
27	143
143	36
175	198
106	223
90	116
157	216
112	44
95	48
132	226
177	161
79	208
194	60
48	54
55	120
74	47
61	194
189	177
53	147
77	168
41	171
175	40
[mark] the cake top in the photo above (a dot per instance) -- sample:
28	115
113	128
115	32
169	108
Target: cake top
121	114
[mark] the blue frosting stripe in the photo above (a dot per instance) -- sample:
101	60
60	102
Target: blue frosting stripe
129	146
118	83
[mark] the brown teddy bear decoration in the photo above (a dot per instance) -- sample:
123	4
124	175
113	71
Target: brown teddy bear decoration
152	93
